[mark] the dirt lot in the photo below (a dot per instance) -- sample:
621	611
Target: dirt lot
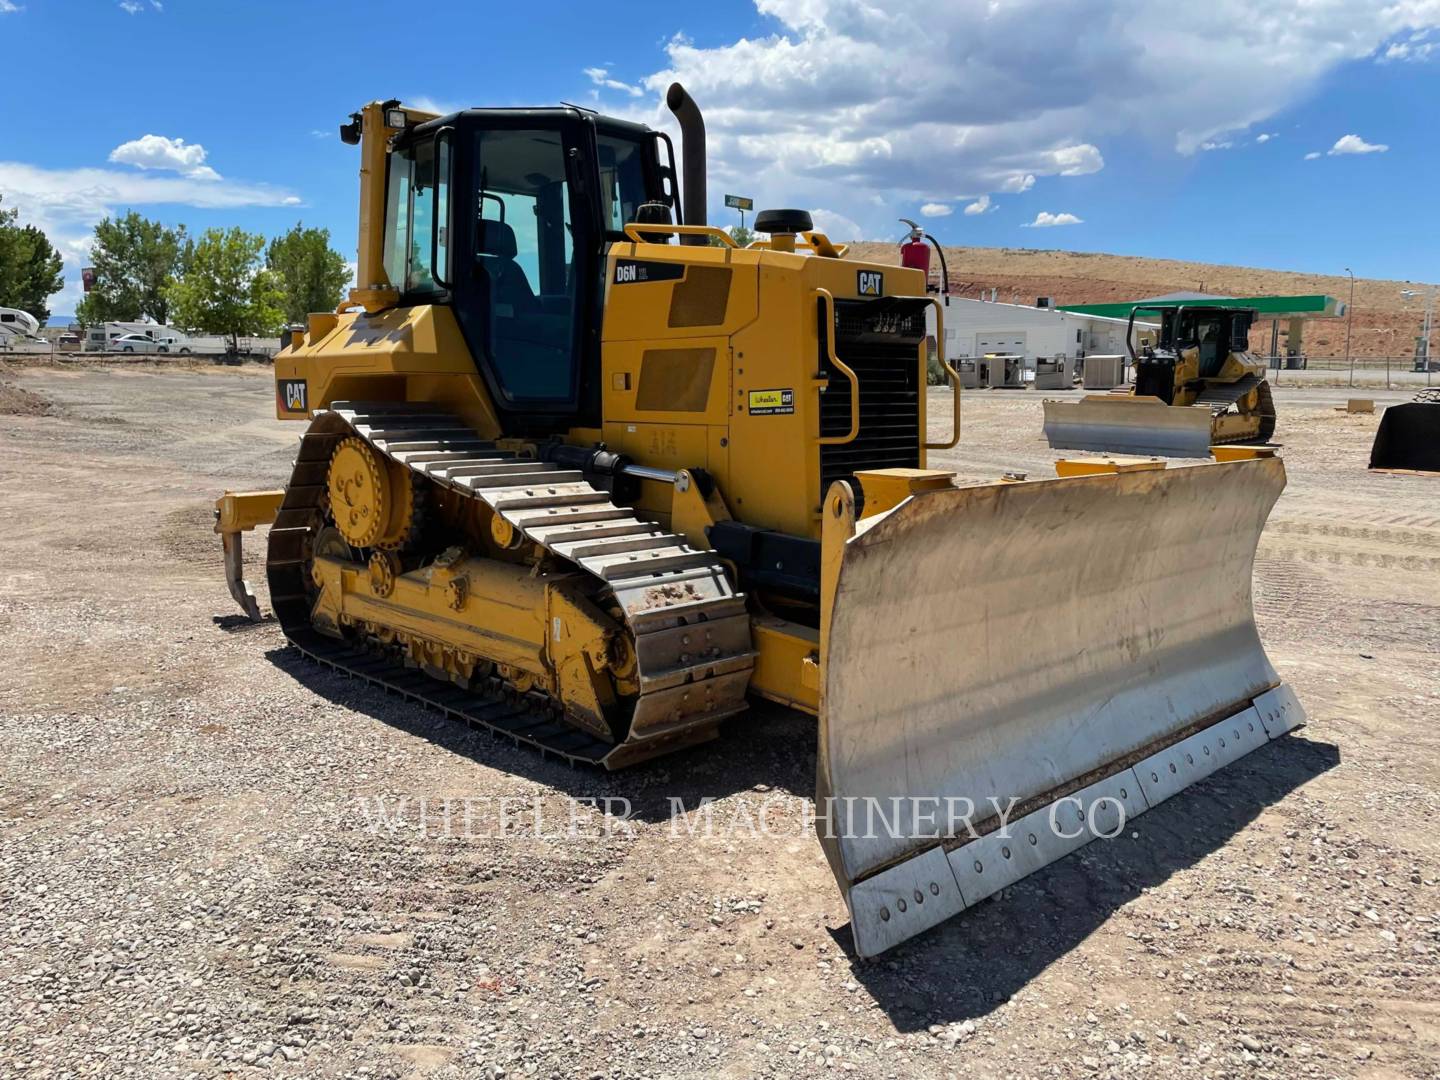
195	880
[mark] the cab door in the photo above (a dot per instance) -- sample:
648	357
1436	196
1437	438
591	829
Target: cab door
525	296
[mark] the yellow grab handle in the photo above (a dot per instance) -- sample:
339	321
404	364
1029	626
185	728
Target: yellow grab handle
817	242
950	371
838	440
634	229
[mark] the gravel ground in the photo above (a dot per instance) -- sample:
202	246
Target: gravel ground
206	866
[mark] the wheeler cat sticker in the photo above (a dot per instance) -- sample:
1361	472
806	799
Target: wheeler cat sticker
772	402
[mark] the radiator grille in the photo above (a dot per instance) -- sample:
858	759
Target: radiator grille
880	341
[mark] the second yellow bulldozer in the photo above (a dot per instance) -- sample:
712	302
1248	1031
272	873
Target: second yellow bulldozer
1198	386
596	490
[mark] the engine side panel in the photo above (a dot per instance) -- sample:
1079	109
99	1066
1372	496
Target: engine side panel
711	359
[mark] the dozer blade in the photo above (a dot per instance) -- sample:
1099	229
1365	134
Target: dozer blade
1126	424
1408	438
1063	653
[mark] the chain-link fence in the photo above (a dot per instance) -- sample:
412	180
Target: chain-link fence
1396	371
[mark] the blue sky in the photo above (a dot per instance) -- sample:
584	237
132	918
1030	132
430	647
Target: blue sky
1171	130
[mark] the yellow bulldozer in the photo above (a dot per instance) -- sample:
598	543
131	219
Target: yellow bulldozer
579	470
1198	386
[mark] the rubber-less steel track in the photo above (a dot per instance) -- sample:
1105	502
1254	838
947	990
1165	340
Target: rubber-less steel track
1266	408
1218	397
689	628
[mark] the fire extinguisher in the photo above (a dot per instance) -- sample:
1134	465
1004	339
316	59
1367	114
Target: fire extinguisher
915	254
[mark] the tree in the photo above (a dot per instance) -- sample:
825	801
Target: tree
136	260
313	275
741	234
31	270
225	289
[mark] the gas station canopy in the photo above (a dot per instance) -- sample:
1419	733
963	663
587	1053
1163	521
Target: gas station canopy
1269	307
1294	310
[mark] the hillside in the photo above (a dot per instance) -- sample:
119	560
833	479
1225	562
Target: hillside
1384	323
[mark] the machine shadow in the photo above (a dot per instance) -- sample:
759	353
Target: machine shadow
767	745
968	966
237	624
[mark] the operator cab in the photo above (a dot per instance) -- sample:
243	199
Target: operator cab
505	215
1215	332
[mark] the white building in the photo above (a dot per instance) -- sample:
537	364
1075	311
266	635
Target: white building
976	328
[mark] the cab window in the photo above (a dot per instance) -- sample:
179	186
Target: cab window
416	212
622	180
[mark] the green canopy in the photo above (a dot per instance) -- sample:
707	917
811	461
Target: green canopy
1270	307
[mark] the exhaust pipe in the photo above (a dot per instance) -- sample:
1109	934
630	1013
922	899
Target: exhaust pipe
692	133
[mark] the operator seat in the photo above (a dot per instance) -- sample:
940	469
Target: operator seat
1212	357
510	292
530	344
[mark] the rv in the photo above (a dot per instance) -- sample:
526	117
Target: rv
151	337
106	337
17	327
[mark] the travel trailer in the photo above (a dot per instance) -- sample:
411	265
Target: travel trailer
103	338
18	328
159	338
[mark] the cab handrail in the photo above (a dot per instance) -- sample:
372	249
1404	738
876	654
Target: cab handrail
828	299
953	375
815	240
635	228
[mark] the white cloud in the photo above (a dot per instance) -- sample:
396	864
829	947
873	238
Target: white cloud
1266	136
66	204
439	107
1018	184
1046	220
318	133
937	209
1225	145
7	7
1078	160
1313	155
1353	144
826	104
1415	49
131	7
836	226
601	77
982	205
159	152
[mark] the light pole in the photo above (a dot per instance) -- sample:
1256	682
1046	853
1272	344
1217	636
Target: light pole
1429	324
1349	318
1425	327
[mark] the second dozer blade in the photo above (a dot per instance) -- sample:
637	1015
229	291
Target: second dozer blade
1126	424
1006	646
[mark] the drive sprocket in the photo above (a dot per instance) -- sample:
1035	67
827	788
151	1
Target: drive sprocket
372	500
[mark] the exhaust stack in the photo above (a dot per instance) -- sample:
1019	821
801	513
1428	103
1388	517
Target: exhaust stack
692	133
